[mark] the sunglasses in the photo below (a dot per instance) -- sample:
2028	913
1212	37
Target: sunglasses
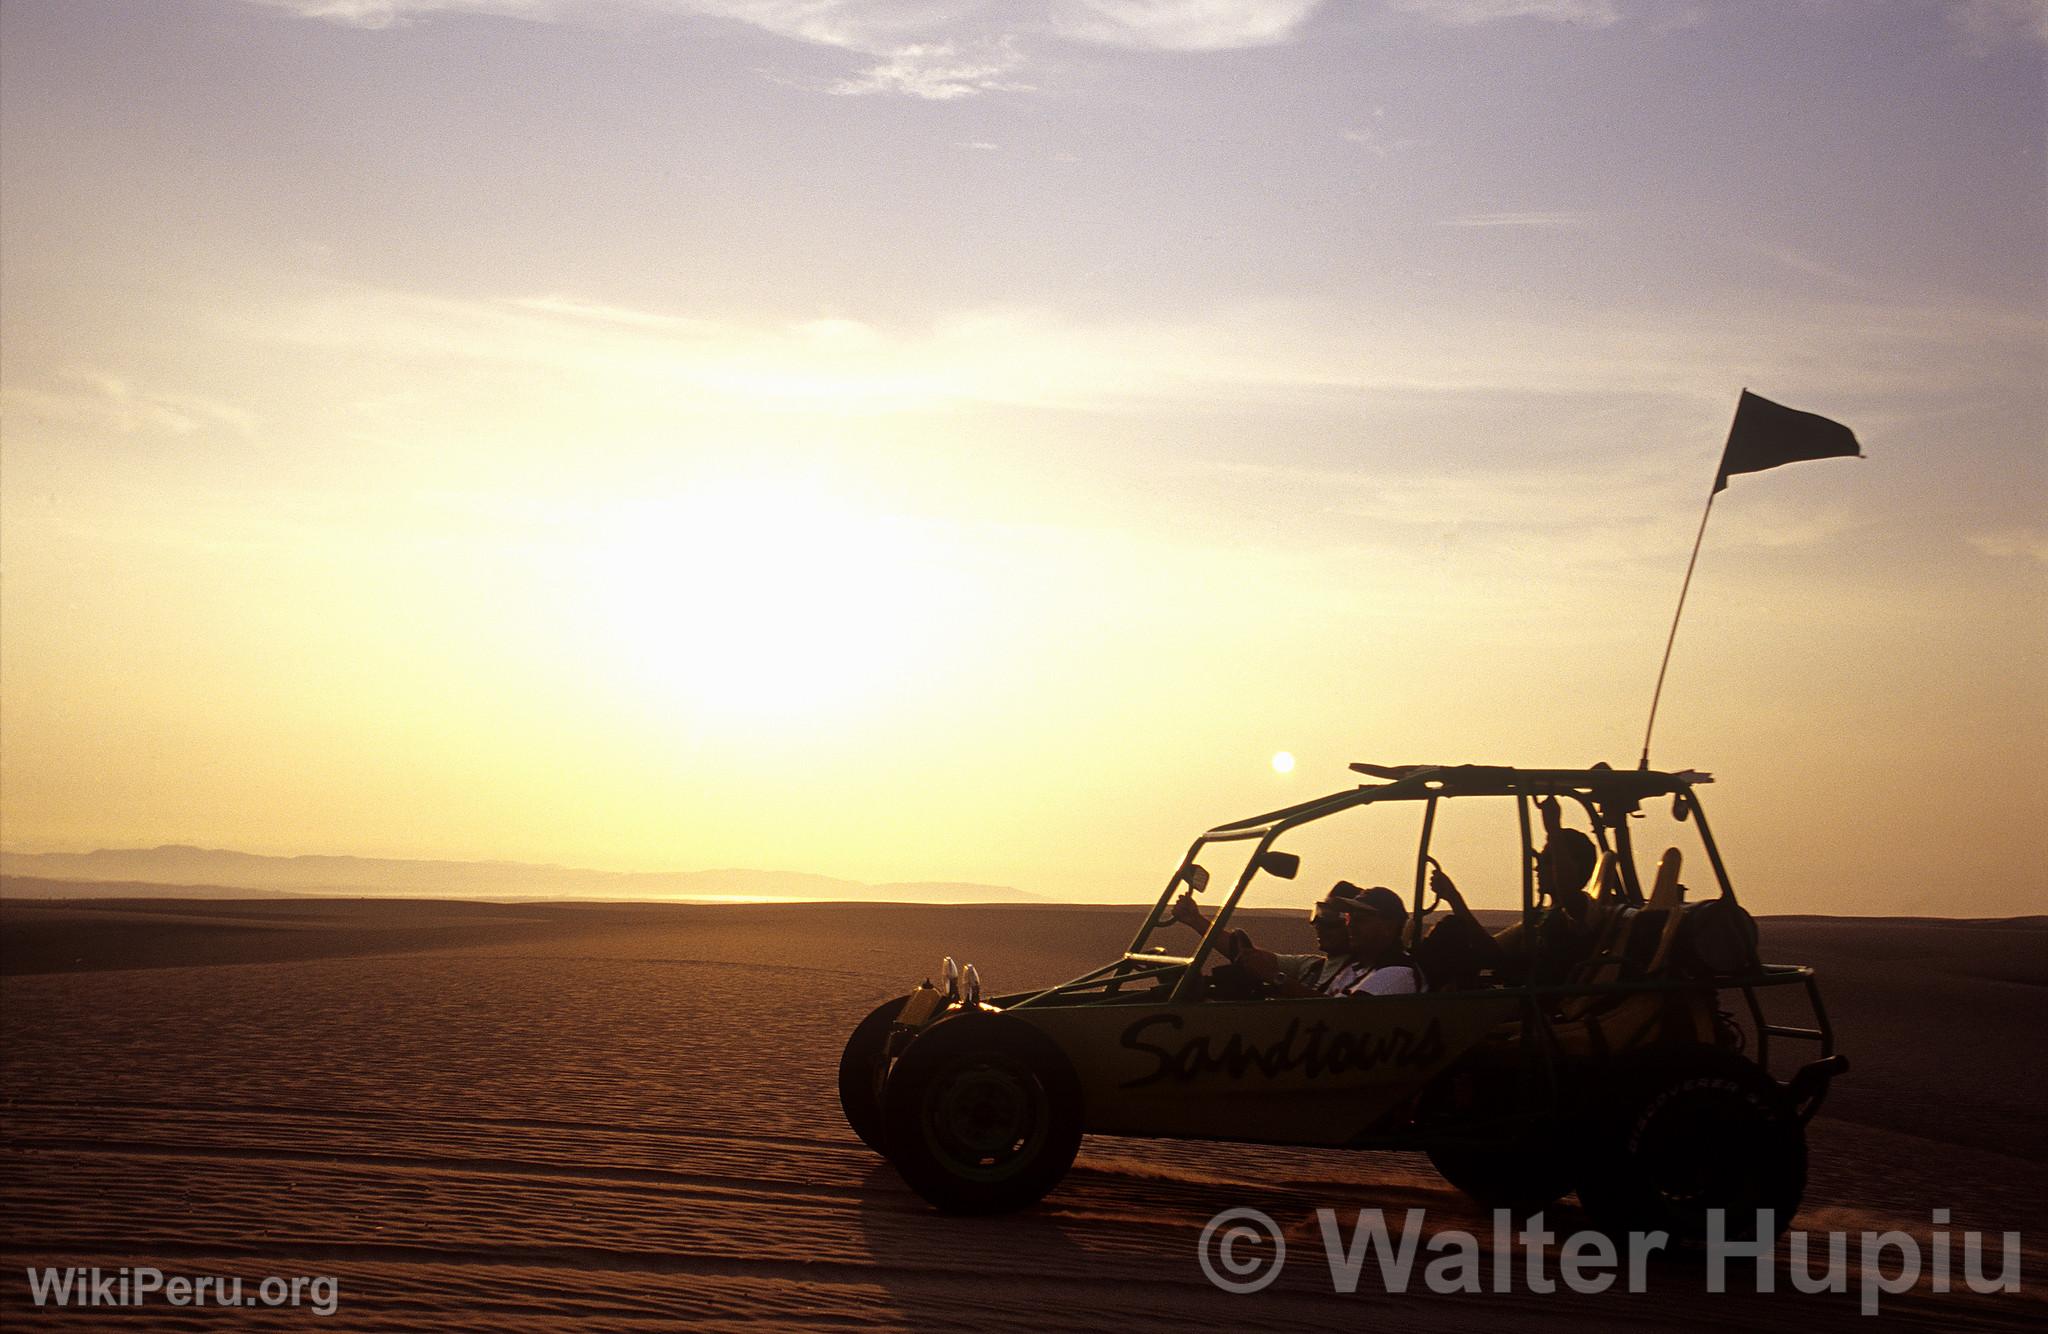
1329	913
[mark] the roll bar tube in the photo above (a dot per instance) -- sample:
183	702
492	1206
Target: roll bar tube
1429	786
1699	819
1184	990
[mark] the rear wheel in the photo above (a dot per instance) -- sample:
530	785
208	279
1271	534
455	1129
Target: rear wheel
984	1115
1682	1132
861	1068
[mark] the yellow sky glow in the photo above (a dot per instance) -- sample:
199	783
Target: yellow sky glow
994	479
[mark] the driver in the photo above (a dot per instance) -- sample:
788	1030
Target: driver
1360	933
1568	930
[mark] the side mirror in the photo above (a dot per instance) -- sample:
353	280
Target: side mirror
1285	865
1195	878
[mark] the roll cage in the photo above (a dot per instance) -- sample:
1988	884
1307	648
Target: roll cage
1608	796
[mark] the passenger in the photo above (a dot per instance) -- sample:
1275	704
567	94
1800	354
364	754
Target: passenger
1303	971
1360	932
1566	932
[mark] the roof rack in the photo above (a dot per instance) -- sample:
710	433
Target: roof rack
1505	779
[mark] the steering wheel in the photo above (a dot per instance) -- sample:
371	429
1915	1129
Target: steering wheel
1443	888
1233	979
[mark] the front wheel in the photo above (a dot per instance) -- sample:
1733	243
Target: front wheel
983	1115
861	1068
1681	1133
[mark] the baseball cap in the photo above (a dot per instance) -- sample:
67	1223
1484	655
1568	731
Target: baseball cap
1347	898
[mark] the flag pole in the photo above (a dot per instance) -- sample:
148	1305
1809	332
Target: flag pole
1672	638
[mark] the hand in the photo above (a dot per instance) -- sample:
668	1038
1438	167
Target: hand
1262	964
1187	913
1441	885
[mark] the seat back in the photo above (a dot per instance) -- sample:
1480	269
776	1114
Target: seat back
1454	953
1668	897
1634	942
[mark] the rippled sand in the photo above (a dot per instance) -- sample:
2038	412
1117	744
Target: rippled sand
589	1117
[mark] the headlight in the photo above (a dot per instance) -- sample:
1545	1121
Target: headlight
970	982
951	972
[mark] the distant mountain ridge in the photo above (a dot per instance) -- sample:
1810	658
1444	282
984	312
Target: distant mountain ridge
175	864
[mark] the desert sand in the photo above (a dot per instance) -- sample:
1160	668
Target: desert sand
593	1117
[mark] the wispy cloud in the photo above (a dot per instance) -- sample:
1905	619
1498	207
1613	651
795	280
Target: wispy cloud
1380	145
1470	13
1800	262
1286	355
931	49
870	26
1552	219
1984	26
1181	25
392	13
103	402
942	50
597	313
939	72
2024	542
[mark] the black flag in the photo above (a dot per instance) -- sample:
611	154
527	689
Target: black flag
1766	434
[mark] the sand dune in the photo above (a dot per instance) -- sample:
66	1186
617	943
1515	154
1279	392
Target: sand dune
622	1117
178	871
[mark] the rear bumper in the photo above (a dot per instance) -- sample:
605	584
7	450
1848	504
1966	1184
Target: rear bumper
1808	1087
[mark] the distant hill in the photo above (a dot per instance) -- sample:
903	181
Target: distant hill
183	871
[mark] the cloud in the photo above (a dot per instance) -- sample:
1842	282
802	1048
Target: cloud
1528	218
943	50
1471	13
2005	543
1378	144
595	313
103	402
1181	25
393	13
879	27
1016	356
1986	25
1291	357
1800	262
933	50
930	49
871	26
938	72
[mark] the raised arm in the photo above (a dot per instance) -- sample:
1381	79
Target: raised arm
1188	913
1234	945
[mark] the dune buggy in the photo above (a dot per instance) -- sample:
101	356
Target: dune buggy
1635	1071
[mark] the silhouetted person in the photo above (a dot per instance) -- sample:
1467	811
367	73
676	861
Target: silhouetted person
1565	932
1360	932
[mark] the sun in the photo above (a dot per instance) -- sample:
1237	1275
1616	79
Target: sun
763	600
1283	762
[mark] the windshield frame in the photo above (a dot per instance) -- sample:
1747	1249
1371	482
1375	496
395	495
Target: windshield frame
1610	797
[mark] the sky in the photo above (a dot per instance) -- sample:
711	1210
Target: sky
943	440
